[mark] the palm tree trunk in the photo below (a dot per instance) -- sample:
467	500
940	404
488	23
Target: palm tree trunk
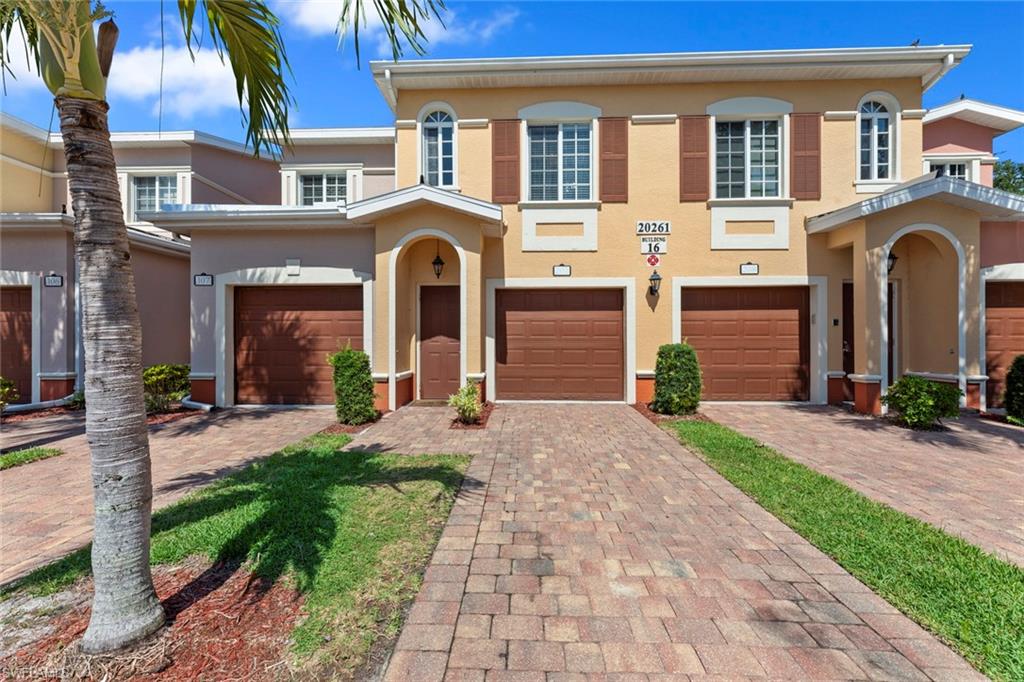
125	607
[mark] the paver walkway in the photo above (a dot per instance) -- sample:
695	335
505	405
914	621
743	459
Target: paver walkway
41	431
46	506
968	480
586	542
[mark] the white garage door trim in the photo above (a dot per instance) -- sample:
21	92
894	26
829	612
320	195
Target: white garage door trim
18	278
818	309
627	284
224	332
1008	272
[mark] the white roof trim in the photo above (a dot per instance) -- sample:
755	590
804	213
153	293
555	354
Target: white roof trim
928	63
23	127
980	113
375	135
67	223
399	199
985	200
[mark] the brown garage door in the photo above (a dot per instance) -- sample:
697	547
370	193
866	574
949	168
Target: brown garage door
559	344
1004	333
16	339
752	342
282	338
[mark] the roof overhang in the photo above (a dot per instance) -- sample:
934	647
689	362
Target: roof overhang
184	219
984	114
66	223
311	136
927	63
988	202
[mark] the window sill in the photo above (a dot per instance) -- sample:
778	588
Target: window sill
560	204
757	201
874	186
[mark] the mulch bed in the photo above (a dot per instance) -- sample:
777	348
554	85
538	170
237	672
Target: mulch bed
174	414
334	429
481	423
223	623
658	418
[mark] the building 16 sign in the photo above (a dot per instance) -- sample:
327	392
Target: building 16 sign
654	227
649	244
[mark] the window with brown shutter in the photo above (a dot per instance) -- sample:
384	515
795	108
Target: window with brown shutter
693	158
806	156
614	153
505	161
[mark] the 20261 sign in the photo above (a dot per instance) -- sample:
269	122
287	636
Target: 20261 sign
654	227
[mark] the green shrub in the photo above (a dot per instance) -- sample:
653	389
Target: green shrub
8	393
1013	399
677	381
467	403
353	386
77	400
920	403
163	384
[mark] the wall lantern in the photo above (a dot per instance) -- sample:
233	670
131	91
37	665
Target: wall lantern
202	280
891	261
655	281
437	263
53	280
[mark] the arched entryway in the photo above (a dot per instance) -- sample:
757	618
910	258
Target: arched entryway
427	329
926	279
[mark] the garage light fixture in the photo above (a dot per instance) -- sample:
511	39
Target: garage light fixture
655	281
437	262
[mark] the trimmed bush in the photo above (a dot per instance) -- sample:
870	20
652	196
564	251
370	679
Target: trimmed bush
920	403
8	393
163	384
467	403
677	381
1013	398
353	386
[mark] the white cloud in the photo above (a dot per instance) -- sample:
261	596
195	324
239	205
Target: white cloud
190	88
25	78
320	18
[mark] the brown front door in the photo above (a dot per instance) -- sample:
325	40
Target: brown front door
16	339
752	342
1004	334
559	344
439	342
283	336
849	336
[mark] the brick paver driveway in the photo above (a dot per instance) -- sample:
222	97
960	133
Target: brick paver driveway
586	541
46	506
968	480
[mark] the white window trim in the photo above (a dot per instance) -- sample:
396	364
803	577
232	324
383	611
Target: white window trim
426	110
19	278
291	179
972	161
818	321
560	214
892	105
627	284
127	174
751	109
556	113
224	311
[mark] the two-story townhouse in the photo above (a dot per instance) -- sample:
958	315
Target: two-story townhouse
39	317
557	219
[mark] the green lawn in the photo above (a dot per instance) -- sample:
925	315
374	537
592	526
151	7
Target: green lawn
19	457
351	531
967	597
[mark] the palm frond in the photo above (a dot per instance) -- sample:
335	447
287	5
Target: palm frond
13	17
402	21
248	34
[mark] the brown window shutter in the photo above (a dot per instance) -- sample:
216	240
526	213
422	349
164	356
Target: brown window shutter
505	161
614	154
693	158
806	156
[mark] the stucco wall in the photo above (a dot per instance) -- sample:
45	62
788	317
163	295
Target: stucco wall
952	135
258	180
219	252
25	189
162	283
1002	242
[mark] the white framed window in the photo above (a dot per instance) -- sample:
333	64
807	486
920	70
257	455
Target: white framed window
953	170
438	153
748	158
322	188
875	142
150	192
560	161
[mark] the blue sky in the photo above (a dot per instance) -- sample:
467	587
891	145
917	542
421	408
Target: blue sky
331	91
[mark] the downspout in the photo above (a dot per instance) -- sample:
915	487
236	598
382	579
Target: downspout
948	62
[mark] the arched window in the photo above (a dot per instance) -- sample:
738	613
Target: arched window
875	141
439	149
